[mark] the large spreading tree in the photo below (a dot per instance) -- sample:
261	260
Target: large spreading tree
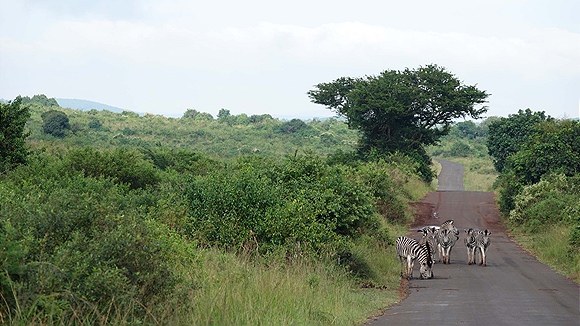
402	111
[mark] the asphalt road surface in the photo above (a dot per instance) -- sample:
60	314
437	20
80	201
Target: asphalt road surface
513	289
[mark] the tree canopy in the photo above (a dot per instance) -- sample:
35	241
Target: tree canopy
401	111
13	117
508	135
55	123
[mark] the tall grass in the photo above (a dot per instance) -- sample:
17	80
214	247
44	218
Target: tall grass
549	246
234	290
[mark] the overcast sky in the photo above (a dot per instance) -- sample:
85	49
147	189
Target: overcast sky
262	56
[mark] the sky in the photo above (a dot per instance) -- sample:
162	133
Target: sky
262	57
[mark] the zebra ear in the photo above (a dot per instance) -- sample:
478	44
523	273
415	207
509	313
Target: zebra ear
487	232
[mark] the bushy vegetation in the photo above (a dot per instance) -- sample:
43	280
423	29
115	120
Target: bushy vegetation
13	117
539	185
224	137
111	224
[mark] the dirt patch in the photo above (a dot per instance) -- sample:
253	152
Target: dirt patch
492	218
423	213
403	289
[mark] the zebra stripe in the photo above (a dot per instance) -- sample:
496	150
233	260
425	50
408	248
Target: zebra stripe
477	241
430	235
470	245
482	242
409	249
446	238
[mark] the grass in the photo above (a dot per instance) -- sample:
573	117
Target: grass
237	291
550	247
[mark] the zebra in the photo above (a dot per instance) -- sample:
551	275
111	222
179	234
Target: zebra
448	225
430	235
482	242
447	235
470	244
409	249
477	241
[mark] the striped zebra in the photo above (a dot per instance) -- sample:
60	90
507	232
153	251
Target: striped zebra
482	242
470	245
430	235
409	249
446	238
477	241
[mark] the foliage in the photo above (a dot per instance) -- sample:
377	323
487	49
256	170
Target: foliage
55	123
539	186
41	100
293	126
150	220
401	110
553	147
321	205
122	165
82	244
241	135
466	139
507	135
550	201
13	117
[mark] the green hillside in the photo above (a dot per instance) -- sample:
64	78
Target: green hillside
117	218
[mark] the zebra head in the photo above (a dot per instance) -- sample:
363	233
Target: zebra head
445	238
486	233
425	270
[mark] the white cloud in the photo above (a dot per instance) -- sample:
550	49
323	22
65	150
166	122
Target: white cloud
534	55
184	43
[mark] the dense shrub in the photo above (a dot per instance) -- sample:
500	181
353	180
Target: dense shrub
13	117
298	200
388	193
122	165
75	246
554	147
55	123
552	200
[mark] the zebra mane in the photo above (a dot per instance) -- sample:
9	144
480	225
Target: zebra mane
429	260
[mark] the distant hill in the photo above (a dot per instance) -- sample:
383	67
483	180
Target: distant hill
85	105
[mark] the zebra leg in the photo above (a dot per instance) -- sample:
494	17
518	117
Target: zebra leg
482	255
410	266
468	256
483	258
401	266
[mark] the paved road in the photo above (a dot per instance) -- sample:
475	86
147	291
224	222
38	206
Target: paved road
514	288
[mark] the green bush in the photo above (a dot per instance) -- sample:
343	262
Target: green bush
123	165
552	200
13	150
300	199
55	123
82	246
